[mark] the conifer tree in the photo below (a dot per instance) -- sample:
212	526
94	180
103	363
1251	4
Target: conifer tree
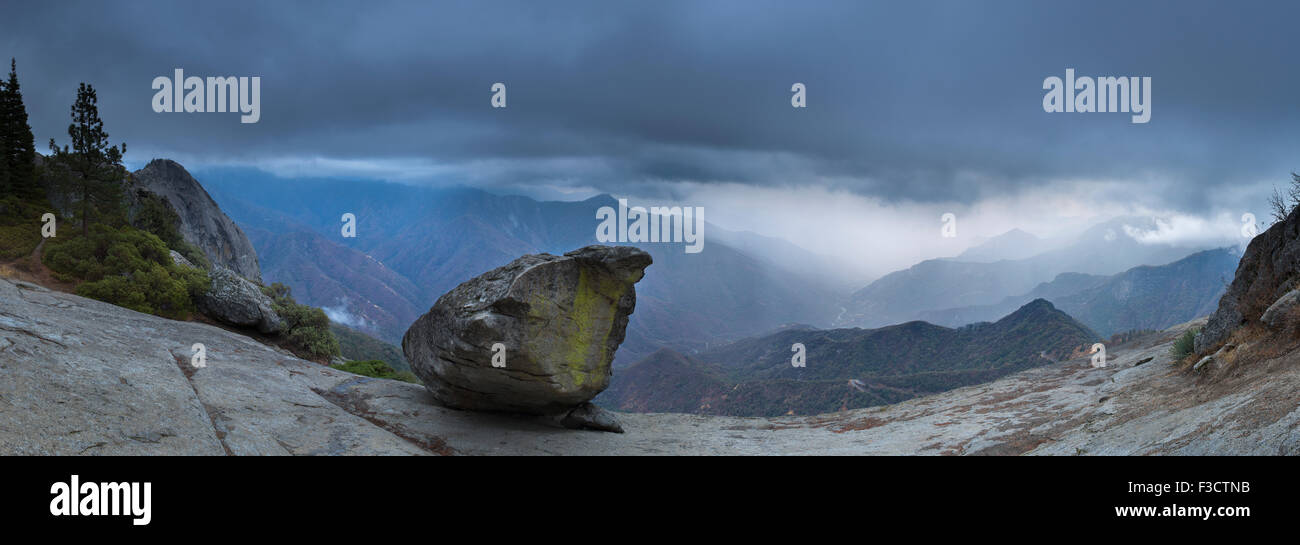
6	189
17	149
90	170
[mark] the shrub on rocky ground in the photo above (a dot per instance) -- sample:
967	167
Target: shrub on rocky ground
307	328
126	267
376	369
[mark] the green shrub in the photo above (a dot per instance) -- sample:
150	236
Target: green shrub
1184	344
126	267
155	215
376	369
104	251
307	328
18	240
355	345
20	226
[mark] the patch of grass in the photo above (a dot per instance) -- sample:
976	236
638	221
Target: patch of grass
1184	344
20	226
376	369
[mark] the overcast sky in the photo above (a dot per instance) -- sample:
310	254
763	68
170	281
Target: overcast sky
914	108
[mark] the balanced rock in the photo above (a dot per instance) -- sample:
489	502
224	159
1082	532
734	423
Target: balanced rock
536	336
236	301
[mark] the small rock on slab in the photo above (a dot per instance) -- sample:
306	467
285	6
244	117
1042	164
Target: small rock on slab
591	417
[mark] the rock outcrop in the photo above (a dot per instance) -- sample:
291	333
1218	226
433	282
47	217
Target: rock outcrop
1281	311
86	377
179	259
536	336
1268	270
203	224
236	301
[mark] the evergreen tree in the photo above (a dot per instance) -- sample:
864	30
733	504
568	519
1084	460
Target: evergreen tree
90	170
17	148
6	188
20	147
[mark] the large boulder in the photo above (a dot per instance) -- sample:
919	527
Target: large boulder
559	320
203	224
234	300
1269	268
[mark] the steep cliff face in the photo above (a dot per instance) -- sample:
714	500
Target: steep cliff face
1269	268
203	224
85	377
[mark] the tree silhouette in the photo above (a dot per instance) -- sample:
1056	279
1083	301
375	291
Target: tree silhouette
17	149
90	170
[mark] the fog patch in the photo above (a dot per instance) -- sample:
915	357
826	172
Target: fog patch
339	314
1221	229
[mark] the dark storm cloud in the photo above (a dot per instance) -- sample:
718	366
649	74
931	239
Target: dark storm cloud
907	100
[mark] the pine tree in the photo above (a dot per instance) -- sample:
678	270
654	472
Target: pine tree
6	188
17	148
90	170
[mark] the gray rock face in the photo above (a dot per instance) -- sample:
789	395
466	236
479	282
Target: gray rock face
1269	268
86	377
591	417
1280	311
179	259
203	224
555	323
236	301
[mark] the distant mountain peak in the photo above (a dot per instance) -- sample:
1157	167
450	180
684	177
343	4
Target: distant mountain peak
1017	233
1013	244
162	162
1038	303
1036	310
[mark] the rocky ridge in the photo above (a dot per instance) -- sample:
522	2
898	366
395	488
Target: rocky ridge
203	224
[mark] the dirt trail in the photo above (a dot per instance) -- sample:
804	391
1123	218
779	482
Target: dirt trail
32	269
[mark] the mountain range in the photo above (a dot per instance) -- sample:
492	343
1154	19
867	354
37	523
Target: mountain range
845	368
413	244
712	331
1144	297
937	284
